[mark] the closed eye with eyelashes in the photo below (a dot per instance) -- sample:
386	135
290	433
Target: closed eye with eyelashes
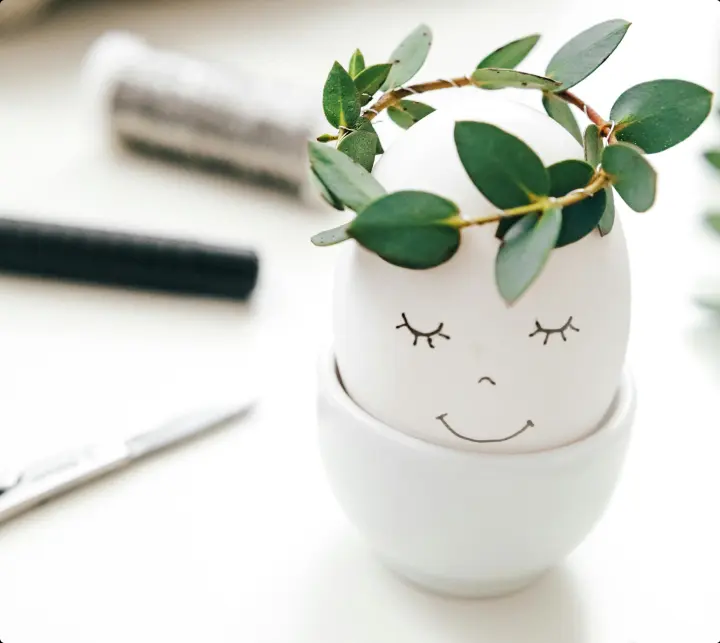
567	326
417	334
438	332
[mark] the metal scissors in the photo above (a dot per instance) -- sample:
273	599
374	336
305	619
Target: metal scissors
21	491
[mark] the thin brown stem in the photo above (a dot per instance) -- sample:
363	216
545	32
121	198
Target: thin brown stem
388	99
600	182
603	125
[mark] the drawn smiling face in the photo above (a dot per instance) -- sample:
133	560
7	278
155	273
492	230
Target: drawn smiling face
438	355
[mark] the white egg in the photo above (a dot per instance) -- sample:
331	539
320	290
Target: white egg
438	355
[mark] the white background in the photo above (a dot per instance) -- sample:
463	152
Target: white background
237	537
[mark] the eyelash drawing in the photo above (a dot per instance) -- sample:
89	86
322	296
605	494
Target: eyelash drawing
418	334
552	331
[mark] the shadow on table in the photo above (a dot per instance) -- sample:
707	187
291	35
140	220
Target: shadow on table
352	598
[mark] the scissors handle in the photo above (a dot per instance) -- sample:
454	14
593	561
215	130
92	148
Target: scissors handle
61	474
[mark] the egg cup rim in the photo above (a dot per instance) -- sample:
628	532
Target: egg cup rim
613	428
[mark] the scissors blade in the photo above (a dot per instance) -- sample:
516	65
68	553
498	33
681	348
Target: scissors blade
183	429
46	480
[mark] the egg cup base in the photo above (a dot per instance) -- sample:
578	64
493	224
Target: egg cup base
465	523
459	587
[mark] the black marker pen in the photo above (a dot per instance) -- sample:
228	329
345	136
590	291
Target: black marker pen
126	260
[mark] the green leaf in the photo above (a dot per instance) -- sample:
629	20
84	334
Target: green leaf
569	175
593	145
713	157
659	114
364	125
499	78
504	225
560	111
709	302
501	166
579	219
360	147
340	100
524	252
357	63
407	112
354	186
331	237
582	55
712	219
370	80
409	229
608	218
633	177
326	138
325	193
409	57
510	55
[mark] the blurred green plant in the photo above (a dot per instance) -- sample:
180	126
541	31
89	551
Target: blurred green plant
539	208
711	220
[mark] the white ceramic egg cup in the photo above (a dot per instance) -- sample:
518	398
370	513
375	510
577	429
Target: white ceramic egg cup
464	523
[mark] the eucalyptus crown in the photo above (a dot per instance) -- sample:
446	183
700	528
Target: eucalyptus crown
539	208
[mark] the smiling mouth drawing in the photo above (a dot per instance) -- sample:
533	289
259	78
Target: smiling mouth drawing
528	425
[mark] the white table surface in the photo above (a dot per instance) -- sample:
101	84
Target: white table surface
237	538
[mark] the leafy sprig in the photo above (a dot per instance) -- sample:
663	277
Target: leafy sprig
539	208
